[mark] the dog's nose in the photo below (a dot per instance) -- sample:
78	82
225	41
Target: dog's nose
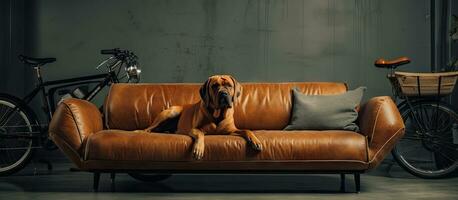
224	99
223	95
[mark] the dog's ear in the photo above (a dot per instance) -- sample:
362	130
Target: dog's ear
204	92
237	89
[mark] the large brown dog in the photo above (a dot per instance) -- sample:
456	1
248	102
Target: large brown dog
213	114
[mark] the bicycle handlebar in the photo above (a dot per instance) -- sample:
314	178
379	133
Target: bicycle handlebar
120	54
109	51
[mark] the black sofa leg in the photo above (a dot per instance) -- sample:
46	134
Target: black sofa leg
357	182
96	181
342	182
112	178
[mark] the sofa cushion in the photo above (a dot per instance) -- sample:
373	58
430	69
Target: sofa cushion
262	106
312	146
325	112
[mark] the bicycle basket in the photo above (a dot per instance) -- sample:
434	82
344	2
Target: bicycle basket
426	84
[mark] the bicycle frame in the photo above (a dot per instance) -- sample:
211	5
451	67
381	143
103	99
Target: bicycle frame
49	104
49	88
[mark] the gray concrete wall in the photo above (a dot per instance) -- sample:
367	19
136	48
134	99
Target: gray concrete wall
11	45
263	40
186	41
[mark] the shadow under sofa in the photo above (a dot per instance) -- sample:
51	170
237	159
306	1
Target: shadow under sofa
107	143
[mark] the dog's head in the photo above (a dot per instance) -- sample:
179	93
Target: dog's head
220	91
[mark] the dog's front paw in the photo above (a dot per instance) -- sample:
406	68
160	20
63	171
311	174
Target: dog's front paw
256	145
198	151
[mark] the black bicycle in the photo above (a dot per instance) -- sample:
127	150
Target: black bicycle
429	148
20	130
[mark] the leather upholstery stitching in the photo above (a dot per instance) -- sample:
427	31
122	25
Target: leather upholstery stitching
86	149
380	149
105	107
367	149
74	120
375	122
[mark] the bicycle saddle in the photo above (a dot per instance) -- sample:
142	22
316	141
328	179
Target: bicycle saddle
382	63
35	61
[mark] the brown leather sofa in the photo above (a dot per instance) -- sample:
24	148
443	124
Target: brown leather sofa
106	143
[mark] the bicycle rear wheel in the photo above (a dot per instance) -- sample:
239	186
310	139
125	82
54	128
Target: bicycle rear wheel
428	148
17	126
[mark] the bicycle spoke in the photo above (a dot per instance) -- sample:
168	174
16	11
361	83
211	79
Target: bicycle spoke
17	123
8	119
445	123
416	122
434	118
444	117
8	154
433	161
428	122
449	146
433	121
8	112
429	119
446	138
446	156
4	111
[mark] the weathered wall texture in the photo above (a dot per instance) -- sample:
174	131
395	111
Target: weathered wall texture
11	44
254	40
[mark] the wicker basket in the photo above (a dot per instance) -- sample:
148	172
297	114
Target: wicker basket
425	84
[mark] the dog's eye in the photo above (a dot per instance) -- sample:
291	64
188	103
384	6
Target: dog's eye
214	86
227	85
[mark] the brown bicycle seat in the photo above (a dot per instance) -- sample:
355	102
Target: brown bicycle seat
382	63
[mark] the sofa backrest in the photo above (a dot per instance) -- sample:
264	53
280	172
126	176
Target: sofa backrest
262	106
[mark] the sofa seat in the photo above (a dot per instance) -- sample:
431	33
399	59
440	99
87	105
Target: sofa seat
332	145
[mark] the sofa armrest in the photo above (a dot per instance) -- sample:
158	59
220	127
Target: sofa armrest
380	121
72	122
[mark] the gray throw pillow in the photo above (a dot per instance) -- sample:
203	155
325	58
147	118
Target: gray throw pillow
325	112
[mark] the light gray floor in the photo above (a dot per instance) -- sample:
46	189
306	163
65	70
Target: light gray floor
379	184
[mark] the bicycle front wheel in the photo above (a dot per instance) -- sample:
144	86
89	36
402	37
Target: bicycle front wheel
17	127
428	148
